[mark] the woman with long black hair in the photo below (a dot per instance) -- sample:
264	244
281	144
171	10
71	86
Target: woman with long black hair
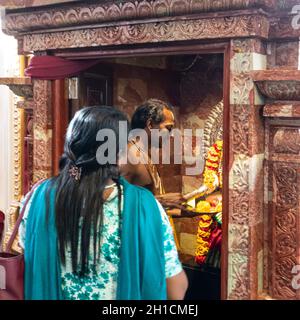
89	234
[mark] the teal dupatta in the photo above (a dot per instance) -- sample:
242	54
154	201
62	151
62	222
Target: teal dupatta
141	273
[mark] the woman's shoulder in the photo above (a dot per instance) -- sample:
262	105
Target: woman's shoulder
37	186
41	184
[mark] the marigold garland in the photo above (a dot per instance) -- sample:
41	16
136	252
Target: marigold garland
212	179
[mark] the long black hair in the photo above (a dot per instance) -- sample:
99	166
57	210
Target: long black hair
81	197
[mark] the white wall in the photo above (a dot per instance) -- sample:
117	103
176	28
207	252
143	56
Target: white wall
8	68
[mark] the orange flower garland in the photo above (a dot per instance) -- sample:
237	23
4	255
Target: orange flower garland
203	235
212	179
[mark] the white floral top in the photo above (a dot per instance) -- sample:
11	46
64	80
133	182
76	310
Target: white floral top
101	284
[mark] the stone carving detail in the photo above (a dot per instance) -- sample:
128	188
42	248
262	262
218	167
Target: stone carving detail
239	192
104	12
239	207
241	62
238	261
240	173
240	67
17	170
281	110
285	212
238	238
283	279
248	45
238	268
242	85
281	89
22	90
224	27
20	86
240	129
243	212
285	140
286	188
17	147
42	141
282	28
213	129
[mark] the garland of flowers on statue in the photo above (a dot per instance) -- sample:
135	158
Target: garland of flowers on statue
212	179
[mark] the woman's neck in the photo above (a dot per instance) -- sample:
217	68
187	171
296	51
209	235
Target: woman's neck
109	187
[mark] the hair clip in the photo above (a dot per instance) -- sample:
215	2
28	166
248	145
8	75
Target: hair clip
75	172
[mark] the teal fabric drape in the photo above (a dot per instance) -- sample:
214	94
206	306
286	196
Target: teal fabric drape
42	265
142	267
142	264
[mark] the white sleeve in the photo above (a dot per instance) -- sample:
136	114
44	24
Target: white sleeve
172	263
22	228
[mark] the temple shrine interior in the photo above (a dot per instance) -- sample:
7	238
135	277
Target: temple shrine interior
193	84
231	70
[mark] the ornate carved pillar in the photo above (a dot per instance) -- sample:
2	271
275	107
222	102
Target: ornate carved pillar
246	149
282	172
21	87
42	130
33	139
27	172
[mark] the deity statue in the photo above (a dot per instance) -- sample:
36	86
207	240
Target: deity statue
208	200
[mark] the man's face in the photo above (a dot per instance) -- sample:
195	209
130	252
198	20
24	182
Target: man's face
169	121
166	125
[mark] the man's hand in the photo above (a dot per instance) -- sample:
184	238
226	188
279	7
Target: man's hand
170	199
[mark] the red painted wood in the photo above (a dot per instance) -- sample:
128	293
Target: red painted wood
59	120
225	195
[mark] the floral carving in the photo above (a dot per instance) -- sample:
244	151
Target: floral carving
108	12
242	85
144	33
284	238
239	274
240	129
42	142
239	207
280	89
286	187
285	140
18	128
238	238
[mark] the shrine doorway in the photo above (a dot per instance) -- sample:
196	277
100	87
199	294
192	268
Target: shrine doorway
195	80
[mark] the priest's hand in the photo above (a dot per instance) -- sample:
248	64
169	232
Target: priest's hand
173	199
